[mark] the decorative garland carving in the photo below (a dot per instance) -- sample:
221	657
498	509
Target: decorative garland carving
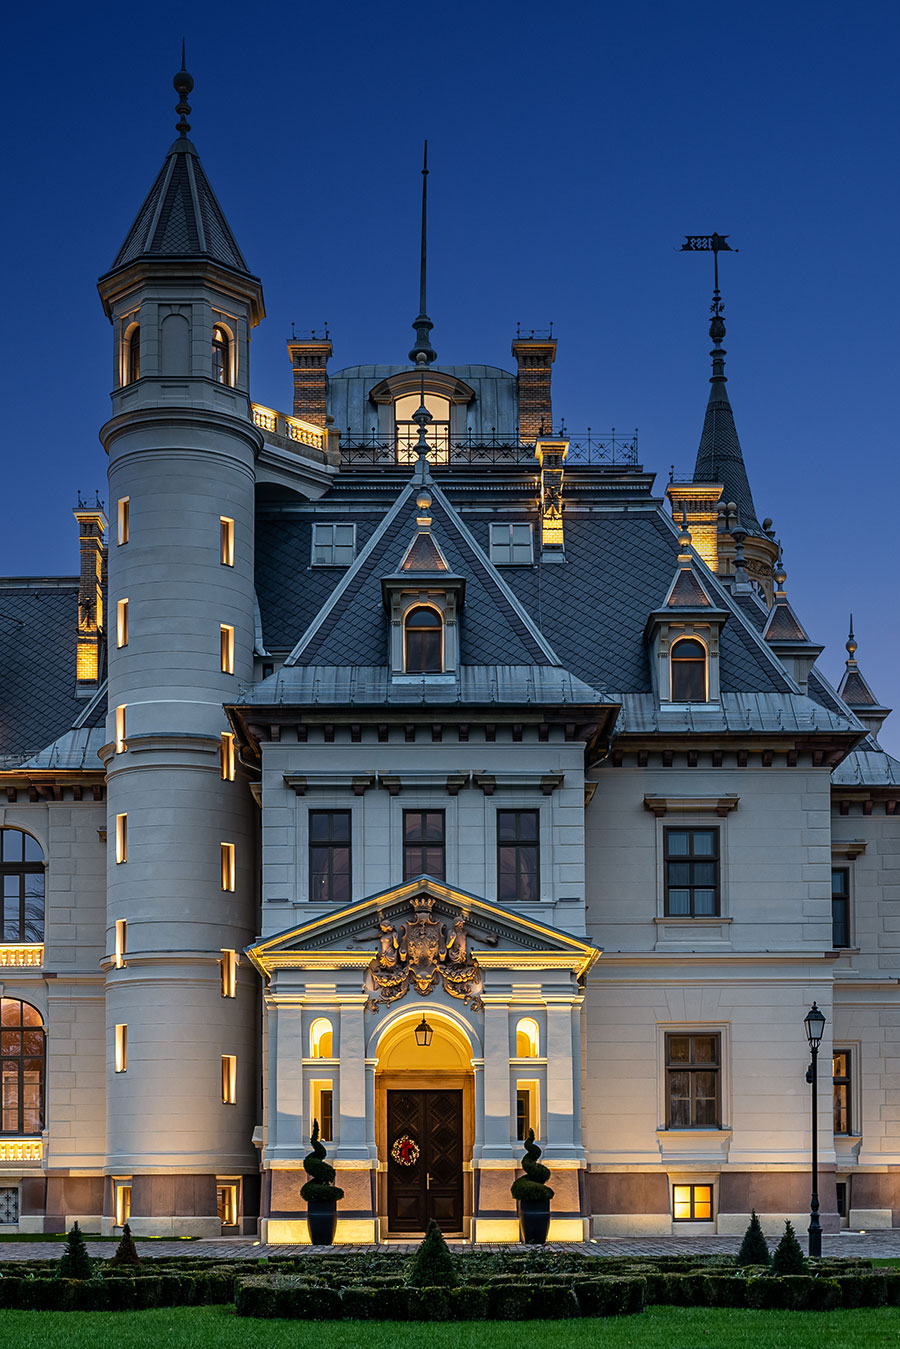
417	954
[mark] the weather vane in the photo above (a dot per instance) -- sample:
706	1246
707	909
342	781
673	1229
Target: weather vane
715	244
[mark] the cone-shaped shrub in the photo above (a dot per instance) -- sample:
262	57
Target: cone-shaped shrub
754	1248
320	1188
126	1251
433	1266
532	1185
788	1257
75	1263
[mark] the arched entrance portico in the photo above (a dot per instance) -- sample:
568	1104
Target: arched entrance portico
424	1099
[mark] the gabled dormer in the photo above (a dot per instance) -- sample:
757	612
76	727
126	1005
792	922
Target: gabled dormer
423	599
683	636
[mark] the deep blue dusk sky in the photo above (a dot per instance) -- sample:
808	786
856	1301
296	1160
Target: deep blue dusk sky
572	147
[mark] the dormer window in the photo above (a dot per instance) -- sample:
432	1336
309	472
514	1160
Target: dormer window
133	360
437	431
221	355
423	641
688	665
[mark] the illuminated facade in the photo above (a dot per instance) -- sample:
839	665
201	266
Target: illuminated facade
409	704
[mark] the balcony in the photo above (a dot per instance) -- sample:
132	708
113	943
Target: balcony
20	1150
589	448
21	955
291	430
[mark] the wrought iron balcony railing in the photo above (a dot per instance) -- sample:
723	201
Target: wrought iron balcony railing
585	448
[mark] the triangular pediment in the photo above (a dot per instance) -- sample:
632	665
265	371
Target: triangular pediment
350	937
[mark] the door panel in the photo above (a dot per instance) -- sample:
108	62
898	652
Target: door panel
430	1187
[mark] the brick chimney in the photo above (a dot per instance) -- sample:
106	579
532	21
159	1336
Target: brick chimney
91	584
534	357
309	359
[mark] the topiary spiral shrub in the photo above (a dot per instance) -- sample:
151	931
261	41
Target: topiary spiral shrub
532	1187
320	1188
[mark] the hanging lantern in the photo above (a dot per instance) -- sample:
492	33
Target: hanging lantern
423	1033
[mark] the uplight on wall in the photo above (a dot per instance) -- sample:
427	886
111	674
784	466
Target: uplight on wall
123	521
121	1048
120	728
121	943
226	541
121	839
122	623
229	1079
227	757
227	857
226	648
228	965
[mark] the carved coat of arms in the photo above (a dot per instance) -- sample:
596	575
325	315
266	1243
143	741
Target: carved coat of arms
418	954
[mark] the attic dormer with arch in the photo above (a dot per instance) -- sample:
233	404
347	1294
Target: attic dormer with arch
423	600
683	637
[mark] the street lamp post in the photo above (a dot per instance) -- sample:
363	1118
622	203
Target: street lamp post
814	1021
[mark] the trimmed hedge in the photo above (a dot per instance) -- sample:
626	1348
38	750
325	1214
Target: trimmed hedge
117	1292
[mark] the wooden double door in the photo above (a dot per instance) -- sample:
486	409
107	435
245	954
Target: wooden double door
425	1160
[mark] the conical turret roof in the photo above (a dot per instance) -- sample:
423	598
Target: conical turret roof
719	457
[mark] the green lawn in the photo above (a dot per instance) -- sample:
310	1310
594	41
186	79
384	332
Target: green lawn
657	1328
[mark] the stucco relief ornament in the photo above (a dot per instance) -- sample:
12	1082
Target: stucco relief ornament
419	953
405	1151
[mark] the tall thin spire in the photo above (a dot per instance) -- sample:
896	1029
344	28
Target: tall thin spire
423	353
719	456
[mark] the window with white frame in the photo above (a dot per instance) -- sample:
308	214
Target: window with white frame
333	545
511	545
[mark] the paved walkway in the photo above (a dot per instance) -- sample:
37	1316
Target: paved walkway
873	1245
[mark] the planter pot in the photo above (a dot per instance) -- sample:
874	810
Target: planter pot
321	1218
534	1221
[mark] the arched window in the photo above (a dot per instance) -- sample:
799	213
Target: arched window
688	671
424	633
221	355
321	1038
437	432
133	356
528	1038
21	1068
22	885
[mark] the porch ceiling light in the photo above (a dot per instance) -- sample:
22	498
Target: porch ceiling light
423	1033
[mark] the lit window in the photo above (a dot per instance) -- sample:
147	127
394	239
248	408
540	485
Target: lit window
692	1203
122	623
528	1038
229	1079
841	1091
437	431
527	1113
227	1204
226	756
22	887
518	855
840	906
123	519
333	545
228	966
123	1202
424	634
121	1048
227	851
511	545
120	728
133	356
688	661
692	873
21	1068
226	541
226	648
121	943
423	844
322	1108
329	855
692	1081
221	355
321	1038
121	838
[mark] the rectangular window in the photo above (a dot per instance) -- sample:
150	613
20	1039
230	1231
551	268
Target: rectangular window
692	1081
228	965
322	1104
692	1203
123	1202
227	1203
333	545
423	844
840	1190
226	648
226	541
511	545
692	873
229	1079
840	906
527	1113
329	855
226	756
121	1048
121	943
841	1091
120	729
123	519
122	623
121	838
227	858
518	855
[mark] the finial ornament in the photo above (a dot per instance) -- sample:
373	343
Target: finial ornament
183	83
780	576
423	353
715	244
422	417
851	645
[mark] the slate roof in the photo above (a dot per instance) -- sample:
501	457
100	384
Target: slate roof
181	216
784	625
38	623
719	455
771	713
856	692
867	768
372	685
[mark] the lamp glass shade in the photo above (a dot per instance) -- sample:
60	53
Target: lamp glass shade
423	1033
814	1021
